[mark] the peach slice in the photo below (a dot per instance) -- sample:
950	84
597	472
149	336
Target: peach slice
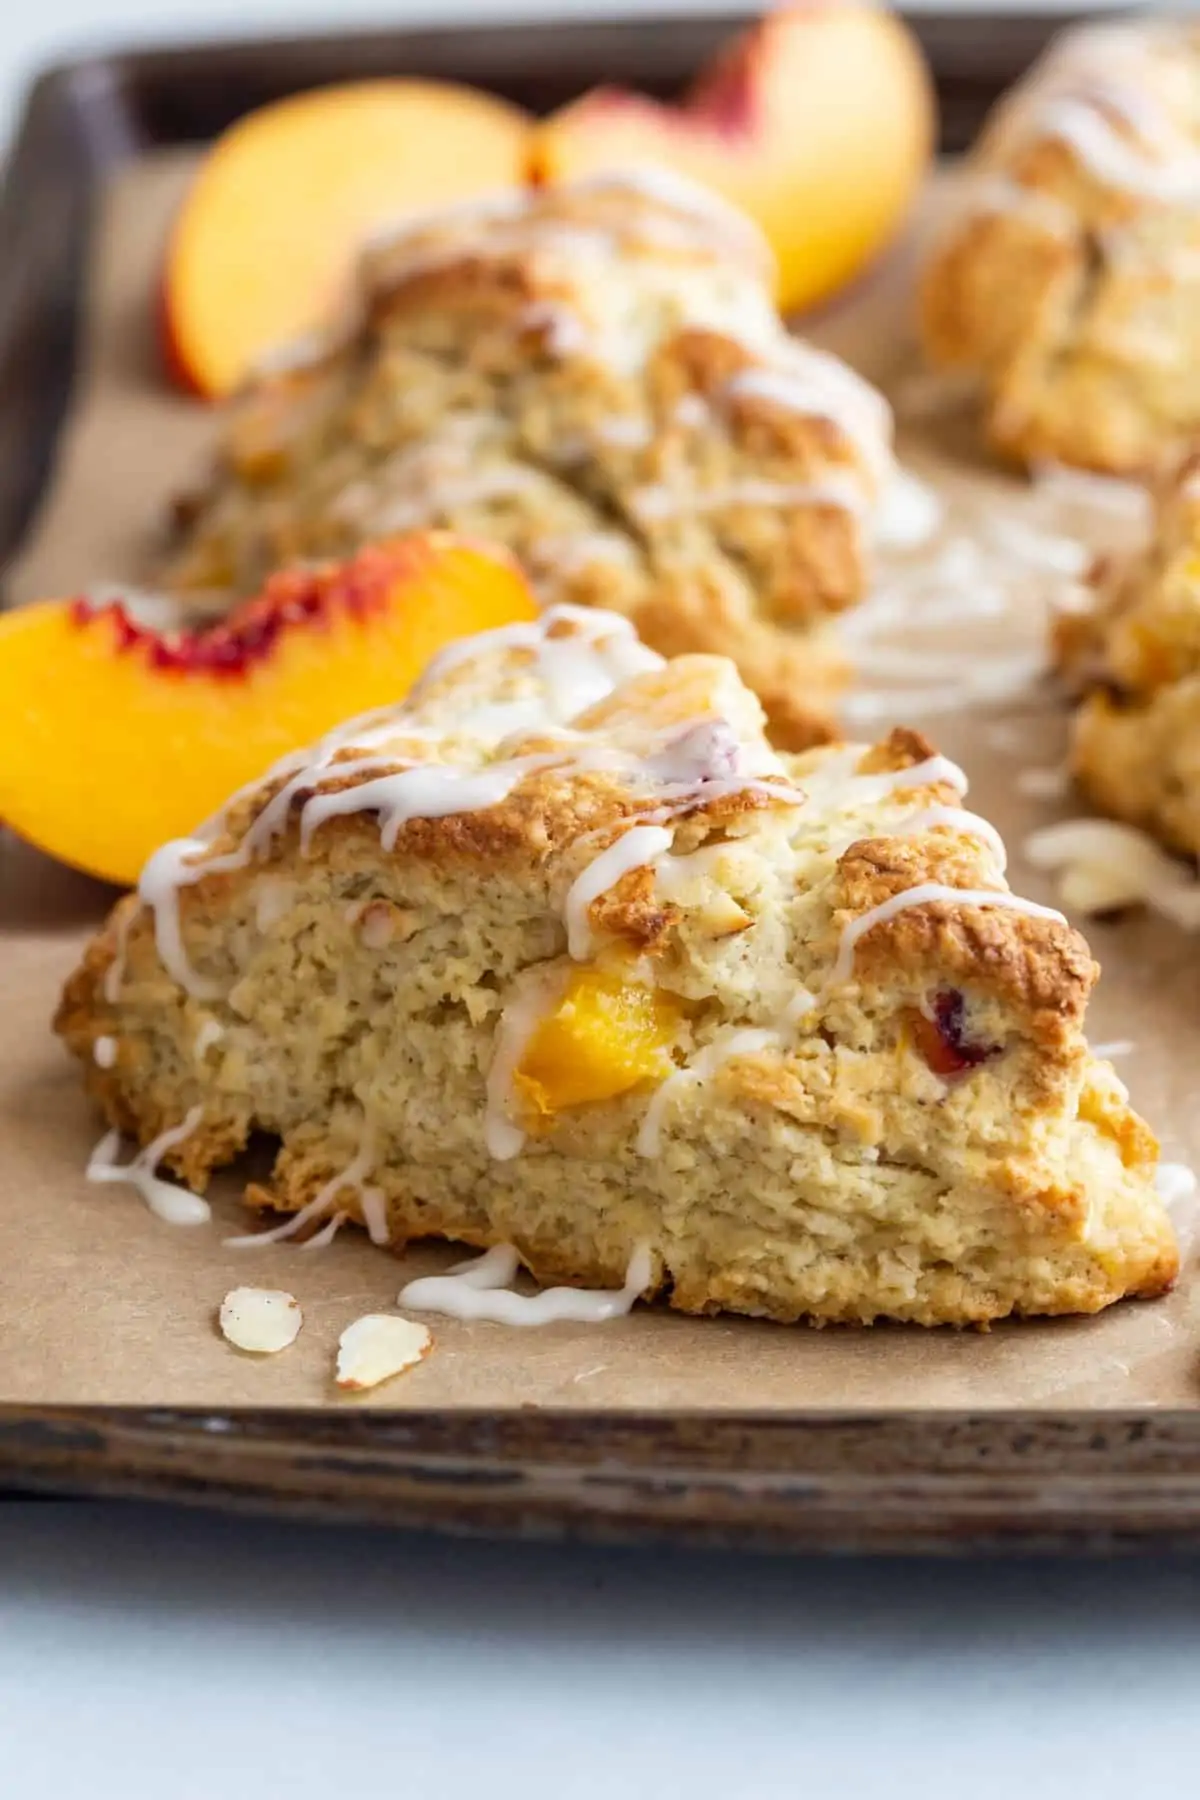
263	250
818	122
114	738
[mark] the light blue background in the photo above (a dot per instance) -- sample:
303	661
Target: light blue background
162	1656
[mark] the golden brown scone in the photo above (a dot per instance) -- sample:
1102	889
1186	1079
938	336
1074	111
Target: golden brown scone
593	375
1132	660
1068	281
429	958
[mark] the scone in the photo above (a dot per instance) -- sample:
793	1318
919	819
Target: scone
593	375
1068	280
561	955
1132	662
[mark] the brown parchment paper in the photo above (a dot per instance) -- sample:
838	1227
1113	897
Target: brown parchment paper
99	1302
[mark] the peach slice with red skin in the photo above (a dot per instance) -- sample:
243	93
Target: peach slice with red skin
818	122
115	738
264	246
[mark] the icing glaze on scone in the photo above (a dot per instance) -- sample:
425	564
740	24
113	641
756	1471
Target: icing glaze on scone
1132	658
595	376
624	976
1068	280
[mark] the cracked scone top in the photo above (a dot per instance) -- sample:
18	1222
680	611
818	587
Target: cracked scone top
1068	280
1132	658
561	954
595	376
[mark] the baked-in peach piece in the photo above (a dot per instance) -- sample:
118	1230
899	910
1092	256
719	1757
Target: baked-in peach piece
264	247
818	122
605	1035
114	737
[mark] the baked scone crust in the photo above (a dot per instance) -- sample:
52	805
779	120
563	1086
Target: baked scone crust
595	376
915	1128
1131	660
1068	280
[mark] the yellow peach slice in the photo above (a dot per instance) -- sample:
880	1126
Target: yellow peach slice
115	738
818	122
605	1036
264	247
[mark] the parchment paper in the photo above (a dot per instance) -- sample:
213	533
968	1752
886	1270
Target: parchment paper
99	1302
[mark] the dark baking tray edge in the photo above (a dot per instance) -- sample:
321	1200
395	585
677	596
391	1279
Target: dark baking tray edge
942	1483
921	1482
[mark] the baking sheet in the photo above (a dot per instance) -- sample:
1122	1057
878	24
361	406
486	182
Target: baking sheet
99	1302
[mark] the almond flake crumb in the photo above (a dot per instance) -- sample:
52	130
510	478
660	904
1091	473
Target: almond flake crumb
260	1320
1101	866
378	1346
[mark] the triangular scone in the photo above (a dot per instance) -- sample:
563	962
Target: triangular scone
1068	281
560	953
1132	657
595	376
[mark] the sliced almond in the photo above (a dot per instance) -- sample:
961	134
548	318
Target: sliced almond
260	1320
378	1346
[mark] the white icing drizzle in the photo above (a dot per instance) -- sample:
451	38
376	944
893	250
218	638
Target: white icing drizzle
572	553
690	198
1094	493
1093	82
479	1290
910	512
924	894
836	780
114	975
1113	158
170	868
425	791
632	850
578	668
815	384
958	819
352	1176
374	1211
104	1052
210	1033
536	994
1052	551
320	1239
1176	1187
733	1042
996	193
659	502
173	1204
